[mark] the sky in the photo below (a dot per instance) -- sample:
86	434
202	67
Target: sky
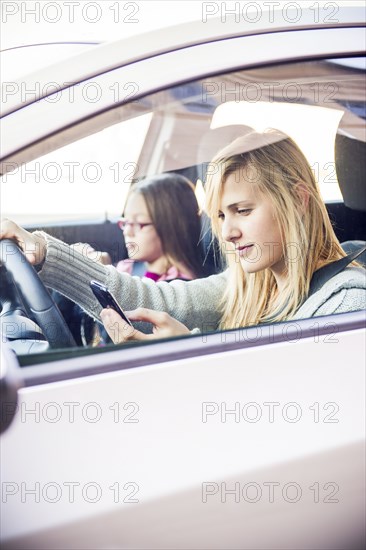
87	20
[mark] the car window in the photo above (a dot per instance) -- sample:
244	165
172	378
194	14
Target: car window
181	128
87	179
308	101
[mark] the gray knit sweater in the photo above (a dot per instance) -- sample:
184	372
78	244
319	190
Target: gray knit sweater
194	303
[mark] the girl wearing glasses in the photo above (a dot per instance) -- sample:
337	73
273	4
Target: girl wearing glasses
267	212
162	228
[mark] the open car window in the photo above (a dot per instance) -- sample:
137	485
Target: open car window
87	179
168	131
85	183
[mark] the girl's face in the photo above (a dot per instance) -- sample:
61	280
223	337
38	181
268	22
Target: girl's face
142	244
248	222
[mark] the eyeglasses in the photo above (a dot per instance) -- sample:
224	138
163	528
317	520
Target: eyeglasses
136	226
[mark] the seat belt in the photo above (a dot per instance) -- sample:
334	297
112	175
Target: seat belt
138	269
322	275
325	273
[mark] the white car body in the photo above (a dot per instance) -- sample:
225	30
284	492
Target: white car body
248	439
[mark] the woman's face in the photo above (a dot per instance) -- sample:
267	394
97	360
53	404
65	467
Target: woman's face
142	244
249	225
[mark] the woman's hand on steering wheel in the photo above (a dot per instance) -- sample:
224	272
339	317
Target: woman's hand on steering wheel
33	246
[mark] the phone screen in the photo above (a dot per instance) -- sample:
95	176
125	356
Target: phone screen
106	299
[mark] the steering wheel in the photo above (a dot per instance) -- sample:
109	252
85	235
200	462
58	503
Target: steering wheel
35	296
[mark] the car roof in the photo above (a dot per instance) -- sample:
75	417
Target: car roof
111	55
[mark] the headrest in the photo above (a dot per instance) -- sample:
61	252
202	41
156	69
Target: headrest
218	138
213	141
350	155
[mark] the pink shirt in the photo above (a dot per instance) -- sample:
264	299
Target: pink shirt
126	266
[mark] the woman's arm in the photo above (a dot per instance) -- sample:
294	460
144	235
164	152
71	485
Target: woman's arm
193	303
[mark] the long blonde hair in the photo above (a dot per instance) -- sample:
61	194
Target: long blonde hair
282	171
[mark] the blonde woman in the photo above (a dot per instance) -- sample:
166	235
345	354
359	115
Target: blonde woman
266	209
275	232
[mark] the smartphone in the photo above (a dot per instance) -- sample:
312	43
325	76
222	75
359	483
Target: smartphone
106	299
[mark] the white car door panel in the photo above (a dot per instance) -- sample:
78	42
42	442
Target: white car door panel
145	435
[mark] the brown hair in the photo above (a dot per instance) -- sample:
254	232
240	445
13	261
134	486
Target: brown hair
173	208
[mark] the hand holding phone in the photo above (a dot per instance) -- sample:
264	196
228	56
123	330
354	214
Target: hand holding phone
106	299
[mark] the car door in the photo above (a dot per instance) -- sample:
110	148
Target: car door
227	439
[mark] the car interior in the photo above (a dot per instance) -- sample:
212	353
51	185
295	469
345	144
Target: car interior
320	104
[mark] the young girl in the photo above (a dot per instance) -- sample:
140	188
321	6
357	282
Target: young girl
162	232
162	228
267	211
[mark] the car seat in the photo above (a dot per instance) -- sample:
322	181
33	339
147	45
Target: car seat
350	164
